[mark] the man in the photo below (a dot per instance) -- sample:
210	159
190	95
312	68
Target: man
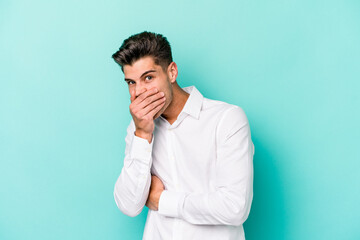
189	159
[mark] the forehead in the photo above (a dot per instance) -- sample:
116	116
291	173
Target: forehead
140	66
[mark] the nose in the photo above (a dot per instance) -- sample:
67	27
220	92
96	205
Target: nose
139	88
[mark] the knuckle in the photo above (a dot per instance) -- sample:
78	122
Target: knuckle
138	115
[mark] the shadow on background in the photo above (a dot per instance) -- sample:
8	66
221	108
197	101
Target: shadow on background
267	219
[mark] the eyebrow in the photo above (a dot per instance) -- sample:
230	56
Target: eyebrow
152	70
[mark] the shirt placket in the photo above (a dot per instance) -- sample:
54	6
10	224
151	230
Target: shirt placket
176	230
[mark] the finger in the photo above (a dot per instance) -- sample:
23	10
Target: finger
152	106
153	112
144	111
142	91
145	94
139	106
150	99
133	94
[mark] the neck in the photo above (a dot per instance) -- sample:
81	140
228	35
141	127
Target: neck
177	104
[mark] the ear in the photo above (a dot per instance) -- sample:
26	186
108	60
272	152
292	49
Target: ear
172	72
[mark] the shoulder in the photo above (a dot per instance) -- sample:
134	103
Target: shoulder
225	110
230	118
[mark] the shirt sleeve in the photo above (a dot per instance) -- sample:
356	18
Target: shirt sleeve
132	186
230	202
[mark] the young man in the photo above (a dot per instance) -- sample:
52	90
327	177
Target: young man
189	159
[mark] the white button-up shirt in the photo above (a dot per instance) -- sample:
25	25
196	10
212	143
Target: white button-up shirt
205	161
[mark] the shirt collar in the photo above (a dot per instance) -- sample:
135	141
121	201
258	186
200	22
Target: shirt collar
194	102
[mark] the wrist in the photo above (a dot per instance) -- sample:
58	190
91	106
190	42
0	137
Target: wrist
142	134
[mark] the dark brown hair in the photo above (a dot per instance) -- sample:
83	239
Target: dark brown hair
141	45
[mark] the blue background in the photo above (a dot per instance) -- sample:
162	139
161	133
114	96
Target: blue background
293	66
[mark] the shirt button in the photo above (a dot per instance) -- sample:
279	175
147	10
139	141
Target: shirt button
148	149
172	158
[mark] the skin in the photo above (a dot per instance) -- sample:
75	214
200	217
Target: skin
153	94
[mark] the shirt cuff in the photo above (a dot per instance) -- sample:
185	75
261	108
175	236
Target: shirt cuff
141	149
170	203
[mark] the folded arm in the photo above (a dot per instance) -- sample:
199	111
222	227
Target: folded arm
230	202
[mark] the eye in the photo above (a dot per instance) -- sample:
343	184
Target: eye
130	82
148	77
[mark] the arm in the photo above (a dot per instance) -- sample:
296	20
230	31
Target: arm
132	186
230	203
